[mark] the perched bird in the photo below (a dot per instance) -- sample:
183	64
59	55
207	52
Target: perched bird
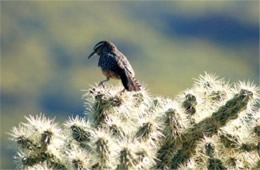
115	65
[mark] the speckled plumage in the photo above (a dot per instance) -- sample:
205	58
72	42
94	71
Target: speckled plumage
115	65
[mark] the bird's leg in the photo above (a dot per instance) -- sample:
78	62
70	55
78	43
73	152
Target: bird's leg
102	82
122	92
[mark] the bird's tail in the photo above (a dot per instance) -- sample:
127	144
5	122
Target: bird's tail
130	83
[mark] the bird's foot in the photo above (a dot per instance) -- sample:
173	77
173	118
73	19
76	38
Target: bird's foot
122	92
102	84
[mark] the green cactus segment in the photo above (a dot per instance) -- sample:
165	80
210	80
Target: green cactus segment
41	157
209	147
229	141
39	152
213	125
257	130
102	105
79	134
103	152
127	160
35	159
207	127
26	143
45	140
172	125
216	164
117	131
144	131
231	109
190	103
78	164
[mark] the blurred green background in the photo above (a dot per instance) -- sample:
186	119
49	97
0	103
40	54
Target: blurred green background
44	49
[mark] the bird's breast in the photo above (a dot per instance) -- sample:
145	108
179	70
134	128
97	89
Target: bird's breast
110	74
106	61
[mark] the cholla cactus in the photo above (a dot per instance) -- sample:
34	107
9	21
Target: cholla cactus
213	125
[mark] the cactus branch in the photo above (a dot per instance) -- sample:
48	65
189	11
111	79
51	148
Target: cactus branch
213	125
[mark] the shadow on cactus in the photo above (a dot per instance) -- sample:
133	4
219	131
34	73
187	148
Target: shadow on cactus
213	125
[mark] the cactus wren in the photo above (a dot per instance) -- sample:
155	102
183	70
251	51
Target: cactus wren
115	65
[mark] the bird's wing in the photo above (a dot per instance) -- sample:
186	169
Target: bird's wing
119	64
124	63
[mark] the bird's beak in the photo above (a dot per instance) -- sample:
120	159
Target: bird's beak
91	54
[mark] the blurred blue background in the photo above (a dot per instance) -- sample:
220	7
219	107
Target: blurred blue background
44	49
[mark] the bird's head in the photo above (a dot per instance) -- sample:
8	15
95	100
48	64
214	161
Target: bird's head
102	47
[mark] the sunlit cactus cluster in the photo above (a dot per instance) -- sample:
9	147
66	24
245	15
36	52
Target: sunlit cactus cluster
213	125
